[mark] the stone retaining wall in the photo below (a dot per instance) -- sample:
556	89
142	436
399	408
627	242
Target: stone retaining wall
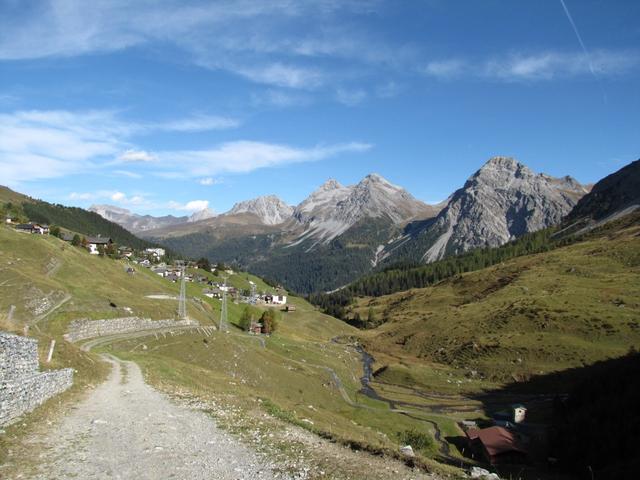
83	329
22	386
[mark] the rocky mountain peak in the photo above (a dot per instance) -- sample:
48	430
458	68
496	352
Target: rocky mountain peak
202	215
501	201
501	169
329	185
270	209
329	212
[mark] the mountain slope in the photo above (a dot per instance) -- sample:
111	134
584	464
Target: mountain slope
616	192
269	209
328	240
563	308
500	202
332	209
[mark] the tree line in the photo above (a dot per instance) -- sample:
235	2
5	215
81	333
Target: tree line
401	277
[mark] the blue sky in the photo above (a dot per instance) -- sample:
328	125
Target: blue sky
168	106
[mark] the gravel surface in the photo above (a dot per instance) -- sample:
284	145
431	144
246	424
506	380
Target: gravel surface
125	429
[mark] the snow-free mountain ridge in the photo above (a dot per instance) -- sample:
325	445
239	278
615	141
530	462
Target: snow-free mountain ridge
270	209
500	202
141	223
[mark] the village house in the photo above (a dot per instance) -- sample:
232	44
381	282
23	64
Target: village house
143	263
31	227
212	292
162	271
275	299
172	277
156	253
497	445
95	243
125	252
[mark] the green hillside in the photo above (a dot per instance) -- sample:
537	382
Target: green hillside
301	374
571	306
270	255
71	218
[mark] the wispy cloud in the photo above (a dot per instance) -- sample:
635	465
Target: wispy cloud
135	156
550	65
209	181
113	196
196	123
260	41
247	156
48	144
537	66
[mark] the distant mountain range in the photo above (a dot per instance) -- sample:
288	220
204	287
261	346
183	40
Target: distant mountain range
139	223
339	232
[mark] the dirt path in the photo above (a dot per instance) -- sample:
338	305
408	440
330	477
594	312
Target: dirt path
125	429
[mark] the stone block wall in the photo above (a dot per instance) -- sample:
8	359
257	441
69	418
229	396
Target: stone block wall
22	386
83	328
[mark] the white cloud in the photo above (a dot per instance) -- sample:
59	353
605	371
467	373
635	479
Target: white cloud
281	75
208	181
82	196
118	197
267	42
539	66
246	156
48	144
40	144
550	65
136	200
192	206
134	156
197	123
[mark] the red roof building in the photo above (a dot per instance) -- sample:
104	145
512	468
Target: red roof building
497	445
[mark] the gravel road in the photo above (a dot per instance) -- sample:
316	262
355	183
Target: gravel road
125	429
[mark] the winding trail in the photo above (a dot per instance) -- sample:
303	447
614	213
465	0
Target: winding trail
124	429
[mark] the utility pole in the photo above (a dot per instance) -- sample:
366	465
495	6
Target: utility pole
182	301
224	323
